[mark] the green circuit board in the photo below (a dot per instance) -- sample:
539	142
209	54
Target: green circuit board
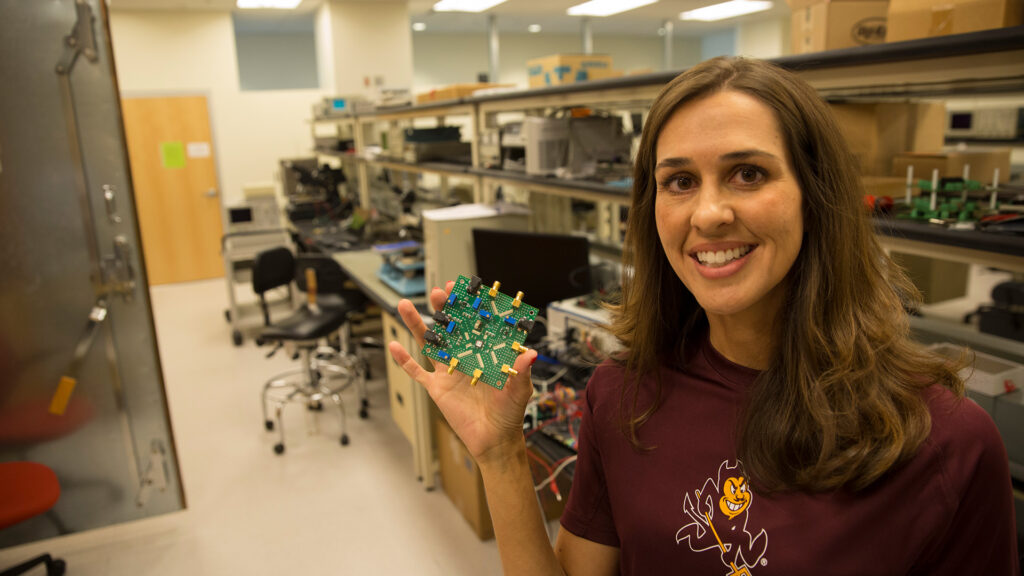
480	331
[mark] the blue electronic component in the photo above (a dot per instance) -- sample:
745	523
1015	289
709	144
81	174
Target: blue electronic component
451	326
476	304
510	320
451	300
485	314
444	355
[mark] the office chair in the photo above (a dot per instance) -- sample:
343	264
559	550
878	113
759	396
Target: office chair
271	269
325	371
28	489
275	268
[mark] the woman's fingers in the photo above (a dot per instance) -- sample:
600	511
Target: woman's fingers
524	361
411	367
412	319
521	381
438	296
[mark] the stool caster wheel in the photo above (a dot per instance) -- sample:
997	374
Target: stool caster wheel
317	406
364	414
344	439
57	567
278	448
236	338
269	425
364	403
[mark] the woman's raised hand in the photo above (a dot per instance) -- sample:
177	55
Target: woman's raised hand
485	418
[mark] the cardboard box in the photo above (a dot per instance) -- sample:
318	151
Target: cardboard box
461	480
890	186
833	24
983	163
938	280
559	69
604	73
455	91
877	132
911	19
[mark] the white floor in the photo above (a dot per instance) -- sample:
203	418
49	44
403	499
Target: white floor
318	509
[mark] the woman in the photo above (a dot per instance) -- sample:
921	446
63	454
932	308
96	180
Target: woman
770	414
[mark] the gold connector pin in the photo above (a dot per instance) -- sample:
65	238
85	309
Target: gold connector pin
494	289
476	377
518	300
519	349
509	370
451	365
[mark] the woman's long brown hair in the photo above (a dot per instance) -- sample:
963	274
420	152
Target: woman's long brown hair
841	403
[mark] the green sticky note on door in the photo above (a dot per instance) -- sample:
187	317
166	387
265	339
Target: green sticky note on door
172	154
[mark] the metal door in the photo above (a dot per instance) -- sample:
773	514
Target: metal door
81	388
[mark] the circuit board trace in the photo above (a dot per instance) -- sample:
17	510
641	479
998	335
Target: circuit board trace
479	334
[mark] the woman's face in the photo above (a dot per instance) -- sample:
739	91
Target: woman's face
728	204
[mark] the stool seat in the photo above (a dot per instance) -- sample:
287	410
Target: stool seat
27	489
307	324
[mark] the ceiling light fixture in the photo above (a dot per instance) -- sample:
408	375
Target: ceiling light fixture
465	5
273	4
606	7
419	26
730	9
533	28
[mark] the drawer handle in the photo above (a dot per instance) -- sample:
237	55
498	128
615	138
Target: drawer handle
398	396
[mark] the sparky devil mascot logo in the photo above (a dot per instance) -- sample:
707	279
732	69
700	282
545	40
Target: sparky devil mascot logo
718	514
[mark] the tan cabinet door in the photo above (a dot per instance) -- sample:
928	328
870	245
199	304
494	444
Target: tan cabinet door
175	177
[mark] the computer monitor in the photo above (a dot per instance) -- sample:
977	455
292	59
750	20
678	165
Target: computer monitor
240	215
545	267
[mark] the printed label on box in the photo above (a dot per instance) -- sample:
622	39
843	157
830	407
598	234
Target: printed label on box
869	31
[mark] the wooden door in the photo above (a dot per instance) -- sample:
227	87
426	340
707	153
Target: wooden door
175	177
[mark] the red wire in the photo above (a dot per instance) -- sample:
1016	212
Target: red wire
550	470
541	461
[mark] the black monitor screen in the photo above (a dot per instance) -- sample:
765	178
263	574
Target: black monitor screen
960	120
545	267
240	215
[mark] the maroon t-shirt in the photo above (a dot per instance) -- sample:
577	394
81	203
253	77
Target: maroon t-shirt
686	508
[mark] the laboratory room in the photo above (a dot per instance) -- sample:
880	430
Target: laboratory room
482	287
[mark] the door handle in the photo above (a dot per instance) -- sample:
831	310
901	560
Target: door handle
110	199
211	193
117	272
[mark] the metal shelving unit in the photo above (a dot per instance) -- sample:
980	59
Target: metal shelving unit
988	62
980	63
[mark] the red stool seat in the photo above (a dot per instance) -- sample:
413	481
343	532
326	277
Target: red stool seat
27	489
